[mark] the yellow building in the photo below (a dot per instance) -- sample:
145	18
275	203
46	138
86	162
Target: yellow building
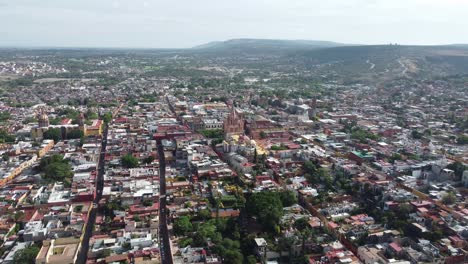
60	250
95	129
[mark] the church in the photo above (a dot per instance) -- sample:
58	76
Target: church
234	124
66	127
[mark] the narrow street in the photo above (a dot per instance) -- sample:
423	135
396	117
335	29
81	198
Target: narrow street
82	255
165	246
99	185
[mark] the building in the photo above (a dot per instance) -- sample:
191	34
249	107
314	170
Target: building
261	247
34	231
465	179
234	123
95	129
60	250
372	255
43	119
66	128
212	124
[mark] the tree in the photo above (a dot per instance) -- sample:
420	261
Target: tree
310	167
251	259
416	134
458	168
286	244
58	171
126	246
305	234
182	225
213	133
301	223
5	137
129	161
211	229
91	115
274	147
26	255
204	214
288	198
233	257
449	198
394	157
75	134
53	133
267	206
4	116
404	210
56	168
229	250
148	159
107	117
362	135
462	140
185	242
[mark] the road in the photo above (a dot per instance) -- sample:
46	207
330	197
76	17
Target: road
165	244
372	65
82	255
405	69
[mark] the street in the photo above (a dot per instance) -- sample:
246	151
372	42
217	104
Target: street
82	255
166	255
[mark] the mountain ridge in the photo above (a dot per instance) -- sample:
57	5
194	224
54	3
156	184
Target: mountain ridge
268	43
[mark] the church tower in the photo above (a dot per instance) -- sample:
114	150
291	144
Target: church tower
234	123
82	123
43	119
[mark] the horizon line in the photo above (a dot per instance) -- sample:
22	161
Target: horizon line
57	47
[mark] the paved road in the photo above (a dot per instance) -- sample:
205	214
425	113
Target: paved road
165	244
82	255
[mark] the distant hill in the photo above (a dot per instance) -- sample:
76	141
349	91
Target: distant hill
389	60
325	57
246	45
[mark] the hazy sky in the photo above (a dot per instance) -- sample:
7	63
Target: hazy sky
185	23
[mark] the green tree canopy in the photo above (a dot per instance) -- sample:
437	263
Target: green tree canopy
56	168
148	159
267	206
75	134
4	116
301	223
462	140
204	214
53	133
458	168
214	133
107	117
5	137
26	255
91	115
449	198
229	250
363	135
288	198
182	226
129	161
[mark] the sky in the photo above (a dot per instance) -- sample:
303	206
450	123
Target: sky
187	23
